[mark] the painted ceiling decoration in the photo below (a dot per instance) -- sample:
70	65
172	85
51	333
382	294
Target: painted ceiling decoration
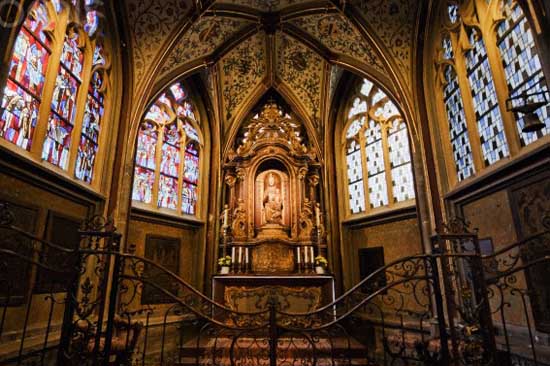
262	5
241	71
203	38
394	23
337	34
301	69
284	44
151	24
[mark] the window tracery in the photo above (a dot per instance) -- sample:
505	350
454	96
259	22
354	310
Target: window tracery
379	169
168	150
487	55
42	111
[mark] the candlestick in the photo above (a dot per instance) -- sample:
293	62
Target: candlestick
226	216
317	216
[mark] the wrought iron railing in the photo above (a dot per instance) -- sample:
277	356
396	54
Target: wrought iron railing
450	307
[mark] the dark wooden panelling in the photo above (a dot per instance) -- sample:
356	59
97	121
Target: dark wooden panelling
165	252
62	231
17	270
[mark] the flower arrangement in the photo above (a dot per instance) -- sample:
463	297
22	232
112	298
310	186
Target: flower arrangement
224	261
321	261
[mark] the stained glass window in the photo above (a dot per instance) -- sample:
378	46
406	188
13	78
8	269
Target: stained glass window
378	188
377	137
23	91
93	116
522	66
400	162
30	67
355	178
460	141
63	106
190	179
489	120
168	154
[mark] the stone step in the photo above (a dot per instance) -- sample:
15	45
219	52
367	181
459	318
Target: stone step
296	351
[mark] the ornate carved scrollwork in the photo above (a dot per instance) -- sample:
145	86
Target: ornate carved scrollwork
306	220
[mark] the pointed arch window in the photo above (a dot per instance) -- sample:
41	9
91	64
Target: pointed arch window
26	78
522	65
482	63
168	149
379	170
43	112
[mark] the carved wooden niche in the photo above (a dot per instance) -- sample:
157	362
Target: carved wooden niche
272	160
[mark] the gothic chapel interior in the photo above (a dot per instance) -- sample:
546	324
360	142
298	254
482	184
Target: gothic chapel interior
275	182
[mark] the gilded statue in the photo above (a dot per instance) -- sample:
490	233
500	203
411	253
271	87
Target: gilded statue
272	202
239	220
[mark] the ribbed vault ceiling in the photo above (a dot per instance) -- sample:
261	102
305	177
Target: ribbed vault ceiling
249	46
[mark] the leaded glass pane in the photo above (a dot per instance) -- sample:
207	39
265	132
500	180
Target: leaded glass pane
191	167
72	57
355	127
19	116
489	120
29	62
522	66
85	160
452	11
168	193
448	52
359	106
38	21
144	179
146	146
58	142
170	162
26	77
64	95
189	199
178	92
400	162
458	132
366	88
355	178
378	191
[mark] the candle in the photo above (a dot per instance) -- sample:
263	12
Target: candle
240	255
311	252
226	216
233	255
305	256
298	250
317	215
246	256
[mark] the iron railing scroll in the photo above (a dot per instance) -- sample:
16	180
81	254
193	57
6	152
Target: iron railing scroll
453	306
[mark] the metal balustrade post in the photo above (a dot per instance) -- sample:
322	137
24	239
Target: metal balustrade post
273	332
113	251
438	297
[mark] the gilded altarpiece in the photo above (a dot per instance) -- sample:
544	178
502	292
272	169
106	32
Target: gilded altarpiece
272	223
